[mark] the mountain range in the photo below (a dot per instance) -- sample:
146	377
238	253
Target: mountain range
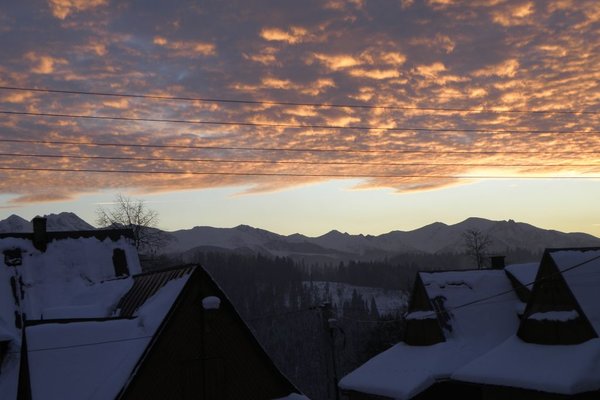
436	238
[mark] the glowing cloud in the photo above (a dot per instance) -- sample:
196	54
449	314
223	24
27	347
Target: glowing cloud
63	8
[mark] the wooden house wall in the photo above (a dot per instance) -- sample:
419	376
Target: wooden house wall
206	354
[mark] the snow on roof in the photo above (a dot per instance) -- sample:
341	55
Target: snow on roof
403	371
481	306
72	278
9	375
93	360
564	369
524	273
85	360
473	316
581	270
293	396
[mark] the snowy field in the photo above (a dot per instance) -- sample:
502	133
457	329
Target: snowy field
388	301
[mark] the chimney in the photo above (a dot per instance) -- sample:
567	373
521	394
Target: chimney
40	238
498	262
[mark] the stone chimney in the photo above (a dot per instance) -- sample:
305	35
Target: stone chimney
40	237
497	262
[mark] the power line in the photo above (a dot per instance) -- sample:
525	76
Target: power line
86	344
293	162
291	149
290	126
293	174
295	104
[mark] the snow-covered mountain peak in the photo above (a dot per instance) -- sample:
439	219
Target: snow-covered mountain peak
66	221
14	223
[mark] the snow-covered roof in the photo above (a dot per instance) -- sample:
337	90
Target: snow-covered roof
564	369
403	371
481	309
480	304
581	270
73	277
90	359
524	273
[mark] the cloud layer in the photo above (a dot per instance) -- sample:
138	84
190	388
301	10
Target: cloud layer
496	56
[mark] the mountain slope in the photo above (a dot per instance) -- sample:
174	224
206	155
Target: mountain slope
65	221
436	238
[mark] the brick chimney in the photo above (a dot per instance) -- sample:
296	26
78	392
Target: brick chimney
40	238
497	262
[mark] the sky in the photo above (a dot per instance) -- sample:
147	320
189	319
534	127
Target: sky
364	116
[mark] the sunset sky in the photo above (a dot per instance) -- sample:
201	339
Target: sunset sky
304	116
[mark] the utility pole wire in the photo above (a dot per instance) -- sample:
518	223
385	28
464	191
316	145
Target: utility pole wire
293	162
294	174
297	104
293	149
293	126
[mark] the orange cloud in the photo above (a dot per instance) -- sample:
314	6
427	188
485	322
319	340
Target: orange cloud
266	56
119	104
61	9
294	35
335	62
514	14
44	64
431	70
374	73
508	68
186	48
439	41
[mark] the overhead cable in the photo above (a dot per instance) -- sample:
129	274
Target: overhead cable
302	104
292	126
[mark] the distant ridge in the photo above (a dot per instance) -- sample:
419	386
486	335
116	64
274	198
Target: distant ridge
435	238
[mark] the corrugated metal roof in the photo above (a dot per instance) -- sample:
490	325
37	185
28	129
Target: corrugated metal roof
147	284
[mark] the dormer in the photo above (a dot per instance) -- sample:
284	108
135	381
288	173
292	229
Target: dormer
553	315
422	324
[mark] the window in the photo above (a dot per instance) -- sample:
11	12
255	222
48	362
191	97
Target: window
120	262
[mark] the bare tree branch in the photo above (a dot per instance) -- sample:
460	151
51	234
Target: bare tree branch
133	214
477	244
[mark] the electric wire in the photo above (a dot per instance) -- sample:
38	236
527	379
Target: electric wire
296	104
294	149
293	162
295	174
294	126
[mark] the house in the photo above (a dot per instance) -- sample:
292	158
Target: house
530	331
453	318
555	353
79	320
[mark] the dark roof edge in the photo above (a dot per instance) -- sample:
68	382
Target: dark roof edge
157	271
249	331
553	249
162	325
34	322
114	234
